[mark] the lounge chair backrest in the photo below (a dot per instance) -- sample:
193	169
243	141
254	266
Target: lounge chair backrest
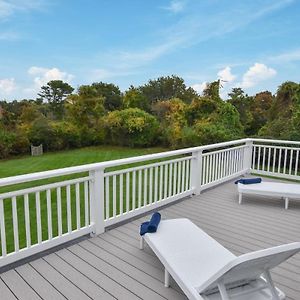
250	266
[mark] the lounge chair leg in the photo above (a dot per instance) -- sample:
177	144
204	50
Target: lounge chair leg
142	243
286	203
271	285
223	291
240	198
167	278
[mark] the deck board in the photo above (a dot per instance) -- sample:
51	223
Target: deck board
111	266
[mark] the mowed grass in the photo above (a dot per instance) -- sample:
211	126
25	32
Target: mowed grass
50	161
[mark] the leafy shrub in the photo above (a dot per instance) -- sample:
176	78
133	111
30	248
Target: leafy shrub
21	144
131	127
41	132
7	140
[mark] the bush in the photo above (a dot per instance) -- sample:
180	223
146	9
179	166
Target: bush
21	144
65	136
41	132
7	140
131	127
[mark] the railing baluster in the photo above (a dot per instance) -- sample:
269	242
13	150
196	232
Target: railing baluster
285	158
77	191
187	172
140	189
274	158
207	168
179	178
69	214
296	163
121	193
166	182
254	157
27	220
59	217
160	182
127	191
269	159
151	185
258	158
182	176
145	186
264	159
291	161
2	229
114	192
279	161
175	179
203	177
213	166
15	223
155	184
107	200
226	163
219	166
170	180
49	213
133	189
38	216
86	203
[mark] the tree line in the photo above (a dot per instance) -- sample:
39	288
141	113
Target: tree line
164	111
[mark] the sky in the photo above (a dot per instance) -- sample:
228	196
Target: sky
250	44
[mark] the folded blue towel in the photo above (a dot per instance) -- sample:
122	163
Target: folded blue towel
152	225
249	180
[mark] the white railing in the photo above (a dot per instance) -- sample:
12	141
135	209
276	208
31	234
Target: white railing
87	199
276	158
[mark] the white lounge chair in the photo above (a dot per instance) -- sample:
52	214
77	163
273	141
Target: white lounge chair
205	270
275	189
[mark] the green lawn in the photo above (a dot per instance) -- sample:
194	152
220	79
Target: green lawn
49	161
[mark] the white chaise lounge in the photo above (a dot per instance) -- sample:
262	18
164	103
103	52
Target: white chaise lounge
205	270
273	189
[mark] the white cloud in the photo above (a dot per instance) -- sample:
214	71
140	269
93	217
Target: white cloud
285	57
44	75
9	7
226	75
255	74
41	76
199	87
175	6
7	86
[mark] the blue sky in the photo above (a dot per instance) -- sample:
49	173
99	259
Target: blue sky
252	44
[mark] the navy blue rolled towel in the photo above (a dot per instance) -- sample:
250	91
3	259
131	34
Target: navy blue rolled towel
154	222
144	228
152	225
249	180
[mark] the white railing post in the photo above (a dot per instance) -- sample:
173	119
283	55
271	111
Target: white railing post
248	156
97	201
196	171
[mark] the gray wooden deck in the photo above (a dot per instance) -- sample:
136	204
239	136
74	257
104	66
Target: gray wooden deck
112	266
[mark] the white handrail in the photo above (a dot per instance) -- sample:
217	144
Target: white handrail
107	164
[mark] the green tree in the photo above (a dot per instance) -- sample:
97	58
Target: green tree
55	92
111	94
134	98
242	102
132	127
86	107
167	87
212	90
284	113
